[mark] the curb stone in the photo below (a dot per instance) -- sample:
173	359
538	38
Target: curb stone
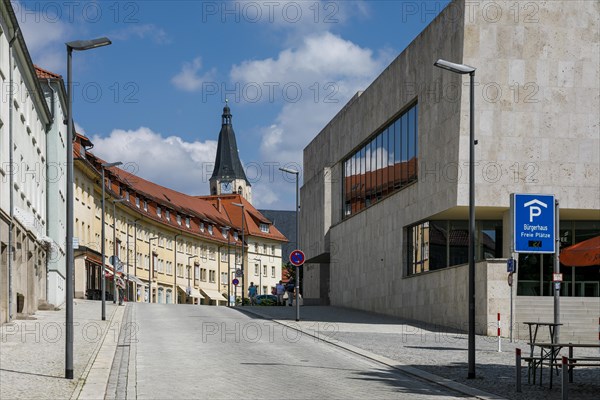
93	381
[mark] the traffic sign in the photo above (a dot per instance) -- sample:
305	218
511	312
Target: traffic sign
235	282
557	277
238	272
534	223
297	258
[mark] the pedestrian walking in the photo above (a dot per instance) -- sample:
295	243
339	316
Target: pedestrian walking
279	292
252	294
289	288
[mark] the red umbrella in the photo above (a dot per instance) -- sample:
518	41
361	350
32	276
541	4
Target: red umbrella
582	254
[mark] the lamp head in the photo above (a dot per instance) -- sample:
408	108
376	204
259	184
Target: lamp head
456	68
81	45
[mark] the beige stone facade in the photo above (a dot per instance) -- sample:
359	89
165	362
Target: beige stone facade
536	122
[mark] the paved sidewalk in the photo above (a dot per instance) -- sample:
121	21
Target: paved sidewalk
32	352
435	351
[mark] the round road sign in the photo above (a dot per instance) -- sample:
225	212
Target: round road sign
235	282
297	258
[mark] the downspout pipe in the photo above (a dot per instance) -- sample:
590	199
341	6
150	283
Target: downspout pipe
48	127
11	176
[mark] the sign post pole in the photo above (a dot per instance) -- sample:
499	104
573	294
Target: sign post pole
556	271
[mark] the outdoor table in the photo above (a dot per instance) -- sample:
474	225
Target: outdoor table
533	331
549	352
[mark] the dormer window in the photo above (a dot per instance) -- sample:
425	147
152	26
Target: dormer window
127	196
235	236
145	205
201	226
168	215
264	228
224	232
187	221
158	211
179	219
210	229
137	202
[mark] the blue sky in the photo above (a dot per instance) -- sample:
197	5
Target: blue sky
154	98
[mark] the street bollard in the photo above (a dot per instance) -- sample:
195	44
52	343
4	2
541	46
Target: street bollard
565	379
518	356
499	338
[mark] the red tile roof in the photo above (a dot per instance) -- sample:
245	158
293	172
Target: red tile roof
200	209
45	74
252	217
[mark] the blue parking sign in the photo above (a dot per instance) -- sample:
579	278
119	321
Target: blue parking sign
534	223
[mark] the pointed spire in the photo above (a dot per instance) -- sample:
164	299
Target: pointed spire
227	163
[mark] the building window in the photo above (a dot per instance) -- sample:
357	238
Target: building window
264	270
168	215
145	205
387	162
212	276
273	249
180	270
196	273
127	196
264	228
178	219
223	278
433	245
273	272
137	202
187	221
201	226
223	255
235	236
203	274
210	229
224	232
211	253
256	271
158	211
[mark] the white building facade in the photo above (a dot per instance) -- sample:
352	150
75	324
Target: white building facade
24	119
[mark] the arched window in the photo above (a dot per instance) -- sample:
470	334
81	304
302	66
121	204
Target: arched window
240	190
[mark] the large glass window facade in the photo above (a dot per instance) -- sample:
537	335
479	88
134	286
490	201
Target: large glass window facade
435	245
387	162
535	270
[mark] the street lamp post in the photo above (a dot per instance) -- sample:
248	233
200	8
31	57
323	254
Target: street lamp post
259	274
115	249
127	261
462	70
297	173
189	275
150	268
243	245
78	45
135	255
227	228
103	167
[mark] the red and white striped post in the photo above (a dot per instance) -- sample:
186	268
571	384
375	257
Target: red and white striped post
499	339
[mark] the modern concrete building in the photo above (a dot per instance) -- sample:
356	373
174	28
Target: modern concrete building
384	217
24	120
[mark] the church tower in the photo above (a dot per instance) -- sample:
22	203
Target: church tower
228	175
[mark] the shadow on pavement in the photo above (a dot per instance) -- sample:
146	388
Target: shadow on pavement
31	373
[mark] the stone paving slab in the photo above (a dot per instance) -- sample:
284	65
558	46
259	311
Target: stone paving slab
32	352
434	350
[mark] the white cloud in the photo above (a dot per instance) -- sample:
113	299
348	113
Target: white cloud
79	128
45	35
168	161
263	196
337	67
141	31
188	78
